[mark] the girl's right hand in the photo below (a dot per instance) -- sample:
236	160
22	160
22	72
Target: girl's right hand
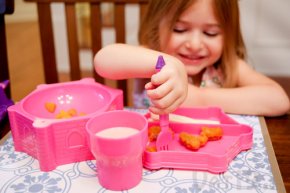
167	88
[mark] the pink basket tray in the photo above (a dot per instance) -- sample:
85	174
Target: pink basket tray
215	156
53	141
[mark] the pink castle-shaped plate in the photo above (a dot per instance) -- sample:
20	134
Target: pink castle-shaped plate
215	156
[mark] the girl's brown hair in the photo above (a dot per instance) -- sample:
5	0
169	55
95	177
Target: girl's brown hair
227	13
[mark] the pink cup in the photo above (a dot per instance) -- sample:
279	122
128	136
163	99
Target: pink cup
118	159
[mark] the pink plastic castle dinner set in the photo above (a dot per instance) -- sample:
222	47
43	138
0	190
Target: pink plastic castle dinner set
75	121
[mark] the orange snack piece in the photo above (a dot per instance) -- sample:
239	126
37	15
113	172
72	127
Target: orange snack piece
72	112
153	132
213	133
50	107
194	142
202	139
190	141
151	149
63	115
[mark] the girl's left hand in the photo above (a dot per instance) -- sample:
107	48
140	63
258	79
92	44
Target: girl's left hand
168	88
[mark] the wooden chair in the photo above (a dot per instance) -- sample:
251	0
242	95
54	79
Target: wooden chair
6	7
47	36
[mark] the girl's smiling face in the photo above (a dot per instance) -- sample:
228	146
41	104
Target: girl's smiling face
196	39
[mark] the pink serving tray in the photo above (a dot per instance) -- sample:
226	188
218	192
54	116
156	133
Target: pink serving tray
215	156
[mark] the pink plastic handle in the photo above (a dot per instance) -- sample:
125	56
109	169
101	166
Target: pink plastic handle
164	120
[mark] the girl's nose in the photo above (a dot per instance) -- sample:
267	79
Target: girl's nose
194	42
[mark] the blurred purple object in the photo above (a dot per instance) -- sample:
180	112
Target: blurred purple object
160	63
5	102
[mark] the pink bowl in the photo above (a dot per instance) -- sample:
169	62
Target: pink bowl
83	96
53	141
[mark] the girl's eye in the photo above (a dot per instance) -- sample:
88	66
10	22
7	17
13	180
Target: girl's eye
211	33
179	30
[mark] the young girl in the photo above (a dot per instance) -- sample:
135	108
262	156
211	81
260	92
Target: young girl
204	52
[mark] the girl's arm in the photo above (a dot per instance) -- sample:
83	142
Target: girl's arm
167	89
255	94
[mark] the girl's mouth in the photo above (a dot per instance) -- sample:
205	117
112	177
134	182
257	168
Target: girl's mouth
191	58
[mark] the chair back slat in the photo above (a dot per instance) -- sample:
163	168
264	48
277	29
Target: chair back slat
119	22
4	73
6	7
73	46
120	36
96	33
143	9
47	43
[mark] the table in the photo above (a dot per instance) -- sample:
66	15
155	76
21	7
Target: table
255	170
278	128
